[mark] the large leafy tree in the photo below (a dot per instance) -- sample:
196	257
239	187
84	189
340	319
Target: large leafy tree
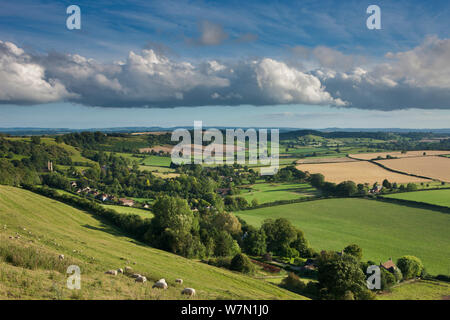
340	275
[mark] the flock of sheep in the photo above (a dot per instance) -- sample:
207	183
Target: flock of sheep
160	284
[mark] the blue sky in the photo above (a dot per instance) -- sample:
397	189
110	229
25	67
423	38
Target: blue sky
317	45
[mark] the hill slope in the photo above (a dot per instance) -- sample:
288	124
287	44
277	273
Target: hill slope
30	269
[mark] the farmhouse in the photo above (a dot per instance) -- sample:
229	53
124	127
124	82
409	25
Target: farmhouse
389	265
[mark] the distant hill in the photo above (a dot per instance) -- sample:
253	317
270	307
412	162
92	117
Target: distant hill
19	131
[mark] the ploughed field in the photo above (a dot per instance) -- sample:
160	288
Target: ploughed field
382	229
30	268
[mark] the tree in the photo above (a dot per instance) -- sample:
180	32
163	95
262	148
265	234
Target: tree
242	263
225	245
411	187
410	266
254	242
280	233
346	189
387	279
340	274
317	180
36	140
387	184
354	250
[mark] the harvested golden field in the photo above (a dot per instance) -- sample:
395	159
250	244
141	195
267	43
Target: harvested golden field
358	172
325	160
398	154
431	167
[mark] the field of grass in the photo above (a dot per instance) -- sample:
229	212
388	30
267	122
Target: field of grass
358	172
419	290
383	230
437	197
129	210
49	228
156	161
270	192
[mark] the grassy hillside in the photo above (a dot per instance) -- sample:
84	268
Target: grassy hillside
436	197
382	229
419	290
29	267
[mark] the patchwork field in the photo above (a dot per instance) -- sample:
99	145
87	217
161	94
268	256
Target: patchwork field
270	192
436	197
431	167
358	172
29	268
398	154
382	229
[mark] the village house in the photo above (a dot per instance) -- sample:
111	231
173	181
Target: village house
376	189
389	265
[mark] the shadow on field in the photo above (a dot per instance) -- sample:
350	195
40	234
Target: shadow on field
105	228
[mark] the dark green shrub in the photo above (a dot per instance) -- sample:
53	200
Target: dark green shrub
242	263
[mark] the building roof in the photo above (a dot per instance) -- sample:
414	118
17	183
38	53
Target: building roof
389	264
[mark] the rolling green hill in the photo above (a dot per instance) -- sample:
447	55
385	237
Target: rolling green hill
383	230
30	268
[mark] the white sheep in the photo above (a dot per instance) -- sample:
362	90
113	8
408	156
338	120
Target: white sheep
61	257
141	279
179	281
136	275
188	291
112	272
160	284
120	270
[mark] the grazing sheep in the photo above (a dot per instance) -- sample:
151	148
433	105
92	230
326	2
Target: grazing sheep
61	257
179	281
136	275
120	270
141	279
188	291
112	272
160	284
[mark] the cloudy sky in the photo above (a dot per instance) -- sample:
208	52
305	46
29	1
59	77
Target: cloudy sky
306	64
